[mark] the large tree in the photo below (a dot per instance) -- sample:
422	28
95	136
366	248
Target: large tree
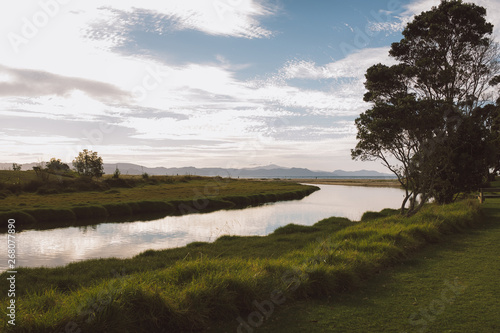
422	122
89	164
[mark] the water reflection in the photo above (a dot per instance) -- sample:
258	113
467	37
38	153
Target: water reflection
57	247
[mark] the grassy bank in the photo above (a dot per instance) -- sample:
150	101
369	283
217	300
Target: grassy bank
449	286
352	182
235	277
119	198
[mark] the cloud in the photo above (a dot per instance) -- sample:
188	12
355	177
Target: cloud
406	14
352	66
237	18
343	82
36	83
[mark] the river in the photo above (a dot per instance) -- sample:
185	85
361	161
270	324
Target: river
61	246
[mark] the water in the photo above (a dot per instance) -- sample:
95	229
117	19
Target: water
61	246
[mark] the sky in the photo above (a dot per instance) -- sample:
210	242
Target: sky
204	83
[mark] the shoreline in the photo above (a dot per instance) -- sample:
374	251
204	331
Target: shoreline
349	182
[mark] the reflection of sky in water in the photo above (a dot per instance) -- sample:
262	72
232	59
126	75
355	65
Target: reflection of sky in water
60	246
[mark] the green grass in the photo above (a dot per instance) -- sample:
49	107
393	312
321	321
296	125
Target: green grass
194	286
449	286
118	198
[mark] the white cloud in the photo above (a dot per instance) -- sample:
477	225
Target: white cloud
238	18
416	7
345	81
81	77
352	66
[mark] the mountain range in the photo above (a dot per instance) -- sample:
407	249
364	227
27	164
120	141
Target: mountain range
269	171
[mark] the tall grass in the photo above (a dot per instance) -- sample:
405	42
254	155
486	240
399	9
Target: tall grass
169	195
204	282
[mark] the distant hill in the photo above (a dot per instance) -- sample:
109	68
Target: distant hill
269	171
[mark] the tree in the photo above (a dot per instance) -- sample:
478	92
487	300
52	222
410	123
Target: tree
88	164
41	171
117	173
16	167
422	124
56	166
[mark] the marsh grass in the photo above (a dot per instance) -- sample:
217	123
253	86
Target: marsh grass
188	288
129	196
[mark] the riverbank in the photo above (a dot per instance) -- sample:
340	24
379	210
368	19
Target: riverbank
351	182
232	278
448	286
122	198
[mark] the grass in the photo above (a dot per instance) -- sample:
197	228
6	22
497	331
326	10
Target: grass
133	195
353	182
190	288
451	285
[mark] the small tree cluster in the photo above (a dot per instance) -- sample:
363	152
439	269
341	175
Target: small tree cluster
57	167
89	164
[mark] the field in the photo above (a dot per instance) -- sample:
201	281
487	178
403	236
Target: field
449	286
65	199
205	285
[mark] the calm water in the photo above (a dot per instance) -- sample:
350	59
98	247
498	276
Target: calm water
61	246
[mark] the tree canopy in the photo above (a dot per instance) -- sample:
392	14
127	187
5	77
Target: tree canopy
89	164
427	122
57	166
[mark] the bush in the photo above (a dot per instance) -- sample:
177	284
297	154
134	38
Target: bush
32	186
14	188
85	184
119	182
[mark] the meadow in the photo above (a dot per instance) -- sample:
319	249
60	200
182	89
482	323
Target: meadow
242	280
65	200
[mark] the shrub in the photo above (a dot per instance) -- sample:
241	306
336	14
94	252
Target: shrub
32	186
119	182
14	188
116	174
